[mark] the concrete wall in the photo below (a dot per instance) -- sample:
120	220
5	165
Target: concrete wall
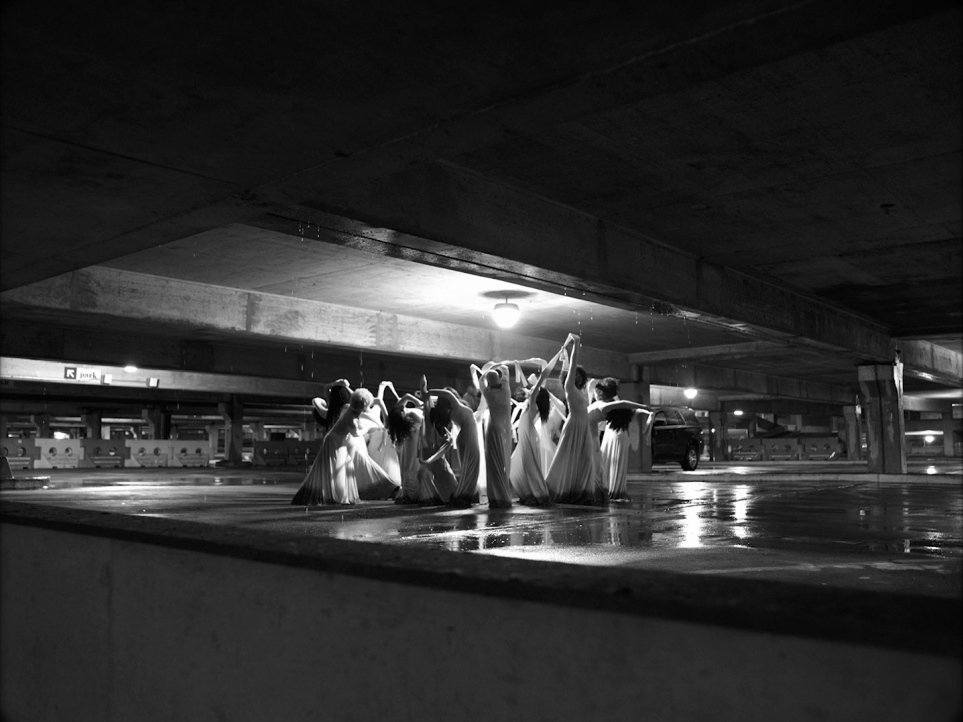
108	629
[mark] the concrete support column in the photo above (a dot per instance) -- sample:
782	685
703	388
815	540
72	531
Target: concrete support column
948	427
212	430
158	422
3	426
853	450
639	389
718	440
92	424
260	434
881	386
233	414
42	423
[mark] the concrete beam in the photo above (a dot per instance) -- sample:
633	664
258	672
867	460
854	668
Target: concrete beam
927	361
187	305
732	350
760	385
21	369
916	403
782	407
450	217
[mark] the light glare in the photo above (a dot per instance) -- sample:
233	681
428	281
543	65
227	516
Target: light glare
506	314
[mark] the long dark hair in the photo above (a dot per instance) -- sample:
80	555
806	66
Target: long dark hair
619	419
580	377
440	414
399	424
543	404
338	398
607	390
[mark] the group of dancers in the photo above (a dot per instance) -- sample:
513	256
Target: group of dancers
438	447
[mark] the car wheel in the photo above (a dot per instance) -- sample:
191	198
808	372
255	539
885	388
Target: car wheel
691	459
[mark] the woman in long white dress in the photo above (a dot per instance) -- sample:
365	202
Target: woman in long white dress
527	477
405	426
438	480
496	389
462	416
617	441
373	425
571	478
342	472
548	425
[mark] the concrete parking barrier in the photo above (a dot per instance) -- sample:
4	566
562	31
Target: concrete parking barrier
20	453
191	452
103	453
58	453
150	452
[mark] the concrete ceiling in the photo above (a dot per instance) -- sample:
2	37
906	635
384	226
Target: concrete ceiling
714	191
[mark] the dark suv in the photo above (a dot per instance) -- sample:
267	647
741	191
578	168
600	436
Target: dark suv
677	436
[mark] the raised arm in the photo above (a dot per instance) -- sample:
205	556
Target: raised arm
475	376
385	385
446	394
546	371
534	361
574	343
380	404
441	451
623	404
430	435
410	399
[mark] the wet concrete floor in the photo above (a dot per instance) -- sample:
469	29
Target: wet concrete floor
816	524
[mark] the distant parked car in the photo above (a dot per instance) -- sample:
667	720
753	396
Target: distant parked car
677	436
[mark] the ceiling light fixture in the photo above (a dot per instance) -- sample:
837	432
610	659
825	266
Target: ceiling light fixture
690	393
506	314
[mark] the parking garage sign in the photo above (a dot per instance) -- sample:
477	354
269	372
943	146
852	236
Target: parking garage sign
92	376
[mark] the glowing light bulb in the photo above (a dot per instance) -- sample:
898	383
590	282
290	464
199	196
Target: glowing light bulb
506	314
690	393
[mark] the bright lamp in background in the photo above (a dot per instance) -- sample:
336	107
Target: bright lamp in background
506	314
737	412
690	393
130	368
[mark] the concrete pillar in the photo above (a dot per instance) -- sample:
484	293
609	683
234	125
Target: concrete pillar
853	450
948	426
158	422
3	426
260	433
639	389
233	414
92	424
881	386
42	423
212	430
718	440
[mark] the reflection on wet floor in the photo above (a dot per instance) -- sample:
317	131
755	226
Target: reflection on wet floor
839	531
